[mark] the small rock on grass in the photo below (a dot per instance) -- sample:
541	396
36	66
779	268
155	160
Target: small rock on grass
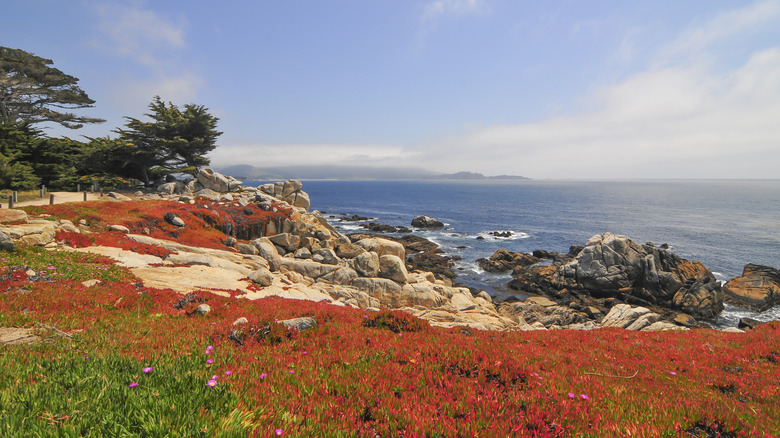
299	324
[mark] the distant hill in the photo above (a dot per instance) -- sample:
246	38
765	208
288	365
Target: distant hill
247	172
478	176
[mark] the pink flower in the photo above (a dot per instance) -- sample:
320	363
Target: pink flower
134	384
147	369
672	373
214	377
278	432
292	371
227	373
209	361
584	397
263	376
211	383
571	395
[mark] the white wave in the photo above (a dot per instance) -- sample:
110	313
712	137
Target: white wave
341	226
514	235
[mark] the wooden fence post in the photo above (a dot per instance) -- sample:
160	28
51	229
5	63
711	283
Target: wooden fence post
10	201
51	199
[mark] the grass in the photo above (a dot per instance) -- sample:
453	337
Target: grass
355	373
21	196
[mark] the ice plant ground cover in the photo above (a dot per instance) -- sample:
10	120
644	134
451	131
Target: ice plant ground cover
134	365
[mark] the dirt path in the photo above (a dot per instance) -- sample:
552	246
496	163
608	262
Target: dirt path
59	198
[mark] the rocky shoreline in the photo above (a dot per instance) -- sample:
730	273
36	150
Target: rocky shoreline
611	281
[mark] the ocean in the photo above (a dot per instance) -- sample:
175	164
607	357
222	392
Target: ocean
723	224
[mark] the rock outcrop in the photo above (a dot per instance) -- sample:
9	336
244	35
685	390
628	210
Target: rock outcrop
758	288
504	260
289	191
426	222
615	266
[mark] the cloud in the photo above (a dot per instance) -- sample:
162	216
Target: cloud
138	33
440	8
134	94
151	47
723	26
677	122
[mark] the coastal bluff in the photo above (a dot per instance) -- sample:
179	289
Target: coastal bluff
273	245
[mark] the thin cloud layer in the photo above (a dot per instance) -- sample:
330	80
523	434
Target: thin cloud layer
675	121
440	8
150	45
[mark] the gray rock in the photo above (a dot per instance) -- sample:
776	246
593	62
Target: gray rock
267	250
367	264
426	222
208	194
203	309
612	265
244	248
6	243
326	256
343	276
349	250
213	180
8	216
302	253
262	276
120	228
230	241
119	196
240	321
306	268
393	268
288	241
173	219
299	324
190	259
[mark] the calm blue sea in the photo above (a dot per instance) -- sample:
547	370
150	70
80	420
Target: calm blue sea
723	224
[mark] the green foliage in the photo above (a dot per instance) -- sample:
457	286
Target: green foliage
175	141
395	321
32	90
78	394
17	139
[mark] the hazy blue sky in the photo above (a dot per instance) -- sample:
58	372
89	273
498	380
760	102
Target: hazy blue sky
545	89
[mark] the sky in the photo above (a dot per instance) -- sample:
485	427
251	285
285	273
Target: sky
554	89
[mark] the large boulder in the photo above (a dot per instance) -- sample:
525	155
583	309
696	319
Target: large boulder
615	266
267	250
383	247
758	288
642	275
8	216
367	264
217	182
393	268
262	276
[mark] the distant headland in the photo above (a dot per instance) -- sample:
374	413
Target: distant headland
247	172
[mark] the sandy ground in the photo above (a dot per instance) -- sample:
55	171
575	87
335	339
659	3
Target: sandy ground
59	198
